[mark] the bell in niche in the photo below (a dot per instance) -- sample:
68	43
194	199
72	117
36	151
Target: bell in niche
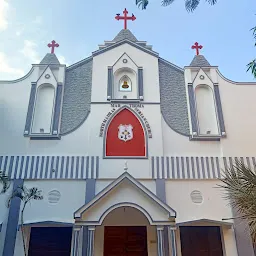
125	85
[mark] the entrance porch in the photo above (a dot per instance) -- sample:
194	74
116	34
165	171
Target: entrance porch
124	219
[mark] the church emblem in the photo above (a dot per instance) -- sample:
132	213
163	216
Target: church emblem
125	132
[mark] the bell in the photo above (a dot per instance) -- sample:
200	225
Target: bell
125	85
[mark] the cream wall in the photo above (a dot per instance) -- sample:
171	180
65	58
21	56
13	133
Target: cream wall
239	109
213	207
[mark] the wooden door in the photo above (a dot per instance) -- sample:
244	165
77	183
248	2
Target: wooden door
125	241
201	241
50	241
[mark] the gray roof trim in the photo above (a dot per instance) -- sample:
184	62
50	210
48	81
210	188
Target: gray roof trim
76	104
125	41
173	99
171	64
212	222
125	34
79	63
50	58
119	180
199	61
49	223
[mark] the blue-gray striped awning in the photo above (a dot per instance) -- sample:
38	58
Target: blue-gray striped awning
50	167
180	167
88	167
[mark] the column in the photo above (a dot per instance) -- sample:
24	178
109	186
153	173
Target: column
12	222
173	241
160	241
76	241
90	247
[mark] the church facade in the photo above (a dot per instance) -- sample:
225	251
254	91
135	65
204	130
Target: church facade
127	149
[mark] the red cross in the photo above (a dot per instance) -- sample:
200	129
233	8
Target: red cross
53	45
197	47
125	18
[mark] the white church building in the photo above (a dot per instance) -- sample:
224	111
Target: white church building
127	149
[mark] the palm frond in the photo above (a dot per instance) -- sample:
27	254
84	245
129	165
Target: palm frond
5	181
142	4
254	32
212	2
25	194
239	182
252	66
167	2
191	5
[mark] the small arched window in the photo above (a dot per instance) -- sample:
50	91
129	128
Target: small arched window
125	84
42	120
206	111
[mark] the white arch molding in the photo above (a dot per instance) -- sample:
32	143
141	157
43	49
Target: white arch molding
125	204
132	91
43	109
206	110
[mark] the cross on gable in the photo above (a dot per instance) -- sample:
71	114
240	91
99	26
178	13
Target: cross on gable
197	47
125	17
53	45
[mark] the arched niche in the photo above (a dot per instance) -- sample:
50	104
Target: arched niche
44	109
125	84
125	136
206	110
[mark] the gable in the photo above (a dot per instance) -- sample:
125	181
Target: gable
125	191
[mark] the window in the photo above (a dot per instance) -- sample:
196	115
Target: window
125	84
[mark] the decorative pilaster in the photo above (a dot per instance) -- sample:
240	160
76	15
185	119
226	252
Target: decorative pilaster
90	248
110	83
160	241
140	83
192	109
173	241
76	241
219	110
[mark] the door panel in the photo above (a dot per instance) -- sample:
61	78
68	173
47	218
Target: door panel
50	241
125	241
201	241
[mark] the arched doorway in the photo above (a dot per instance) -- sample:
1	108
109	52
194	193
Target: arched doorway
125	231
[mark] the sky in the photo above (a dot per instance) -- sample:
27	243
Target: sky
79	26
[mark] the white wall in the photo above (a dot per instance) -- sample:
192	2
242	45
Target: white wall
72	198
4	211
142	59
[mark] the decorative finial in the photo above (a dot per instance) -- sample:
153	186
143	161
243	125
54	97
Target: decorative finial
197	47
53	45
125	166
125	17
